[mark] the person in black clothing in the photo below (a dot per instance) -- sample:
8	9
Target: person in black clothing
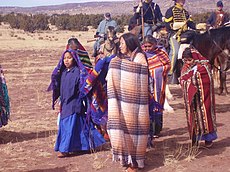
135	20
135	24
151	14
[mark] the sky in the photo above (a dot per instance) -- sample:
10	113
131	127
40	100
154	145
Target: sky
33	3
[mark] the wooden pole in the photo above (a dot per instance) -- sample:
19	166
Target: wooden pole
142	20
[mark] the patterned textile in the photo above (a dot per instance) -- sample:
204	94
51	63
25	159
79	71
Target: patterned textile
95	87
84	57
159	65
4	100
128	110
83	54
199	95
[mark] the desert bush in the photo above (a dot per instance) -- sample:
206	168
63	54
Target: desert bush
20	38
202	17
40	38
25	22
78	22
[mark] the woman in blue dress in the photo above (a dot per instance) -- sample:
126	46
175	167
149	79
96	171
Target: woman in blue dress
76	131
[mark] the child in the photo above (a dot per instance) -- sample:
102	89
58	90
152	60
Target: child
76	131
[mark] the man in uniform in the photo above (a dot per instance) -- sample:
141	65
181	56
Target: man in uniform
219	17
151	14
177	21
101	31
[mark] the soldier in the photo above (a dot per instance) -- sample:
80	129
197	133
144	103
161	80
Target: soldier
151	14
177	20
101	31
219	17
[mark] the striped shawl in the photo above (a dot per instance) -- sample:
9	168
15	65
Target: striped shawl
128	110
199	97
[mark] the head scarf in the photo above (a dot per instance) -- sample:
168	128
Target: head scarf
56	75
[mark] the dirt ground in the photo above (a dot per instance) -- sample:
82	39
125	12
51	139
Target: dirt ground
27	142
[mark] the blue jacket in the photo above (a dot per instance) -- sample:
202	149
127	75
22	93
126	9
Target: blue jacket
152	13
69	92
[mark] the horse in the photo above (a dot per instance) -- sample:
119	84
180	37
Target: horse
213	44
111	44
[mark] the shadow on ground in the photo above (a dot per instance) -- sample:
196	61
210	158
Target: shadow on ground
12	136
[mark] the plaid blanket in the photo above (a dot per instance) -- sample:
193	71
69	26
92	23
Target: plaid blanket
128	110
4	100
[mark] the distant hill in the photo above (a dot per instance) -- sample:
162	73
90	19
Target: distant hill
115	8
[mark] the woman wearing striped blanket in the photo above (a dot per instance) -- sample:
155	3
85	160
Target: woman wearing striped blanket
159	66
128	104
199	98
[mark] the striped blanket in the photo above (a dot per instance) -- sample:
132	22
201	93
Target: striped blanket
128	110
159	65
199	96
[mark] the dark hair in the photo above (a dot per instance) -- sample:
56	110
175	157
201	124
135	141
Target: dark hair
131	42
149	39
74	40
187	53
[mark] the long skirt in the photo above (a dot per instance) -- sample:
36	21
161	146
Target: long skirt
76	133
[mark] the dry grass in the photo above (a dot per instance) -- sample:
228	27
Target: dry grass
180	153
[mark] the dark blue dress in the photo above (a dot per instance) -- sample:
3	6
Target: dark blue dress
76	132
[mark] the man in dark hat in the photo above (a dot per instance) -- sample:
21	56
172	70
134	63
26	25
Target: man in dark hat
219	17
101	31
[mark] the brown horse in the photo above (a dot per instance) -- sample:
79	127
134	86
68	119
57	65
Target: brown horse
212	44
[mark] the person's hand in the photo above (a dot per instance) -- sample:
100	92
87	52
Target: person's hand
140	4
139	7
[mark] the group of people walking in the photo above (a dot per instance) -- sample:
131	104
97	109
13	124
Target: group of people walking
121	98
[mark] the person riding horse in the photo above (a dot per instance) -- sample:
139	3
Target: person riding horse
151	15
101	32
110	46
219	17
177	20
